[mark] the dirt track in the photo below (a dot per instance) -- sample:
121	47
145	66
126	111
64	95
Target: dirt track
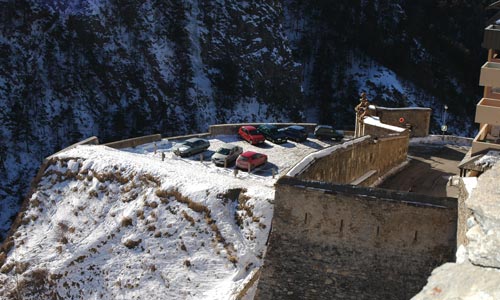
428	171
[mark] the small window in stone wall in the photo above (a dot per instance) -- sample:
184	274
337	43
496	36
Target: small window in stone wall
307	218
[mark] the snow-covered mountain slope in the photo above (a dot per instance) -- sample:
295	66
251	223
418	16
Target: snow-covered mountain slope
115	69
73	69
110	224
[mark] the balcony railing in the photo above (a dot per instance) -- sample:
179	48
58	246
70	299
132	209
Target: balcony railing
490	74
488	111
491	39
484	141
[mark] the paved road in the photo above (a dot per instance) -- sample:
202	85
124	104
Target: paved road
429	170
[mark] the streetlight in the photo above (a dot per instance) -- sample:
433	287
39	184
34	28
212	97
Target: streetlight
444	127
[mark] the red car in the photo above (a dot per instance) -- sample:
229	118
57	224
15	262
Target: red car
252	159
251	135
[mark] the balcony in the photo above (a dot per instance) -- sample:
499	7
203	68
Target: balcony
488	111
485	141
491	39
490	74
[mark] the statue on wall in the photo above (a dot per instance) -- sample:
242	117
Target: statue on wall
361	111
362	108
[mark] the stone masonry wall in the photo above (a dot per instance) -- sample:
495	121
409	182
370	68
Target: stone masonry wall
418	118
229	129
346	242
347	164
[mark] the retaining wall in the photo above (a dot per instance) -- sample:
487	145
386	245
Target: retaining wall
345	242
228	129
133	142
351	161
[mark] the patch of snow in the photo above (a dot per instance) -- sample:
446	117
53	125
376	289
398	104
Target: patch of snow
375	121
489	159
461	254
470	184
442	140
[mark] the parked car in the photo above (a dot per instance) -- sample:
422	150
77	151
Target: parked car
272	134
251	135
252	159
226	154
295	133
328	132
191	147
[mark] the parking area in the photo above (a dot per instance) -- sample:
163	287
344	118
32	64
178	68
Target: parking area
281	157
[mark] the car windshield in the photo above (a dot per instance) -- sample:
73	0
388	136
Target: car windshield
223	151
242	158
189	144
253	132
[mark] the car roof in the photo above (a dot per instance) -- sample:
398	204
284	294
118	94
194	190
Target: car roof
267	126
324	126
192	140
249	127
248	153
296	127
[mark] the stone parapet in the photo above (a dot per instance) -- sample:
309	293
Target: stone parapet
229	129
133	142
352	160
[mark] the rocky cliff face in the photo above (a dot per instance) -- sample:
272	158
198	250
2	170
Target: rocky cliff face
476	275
118	69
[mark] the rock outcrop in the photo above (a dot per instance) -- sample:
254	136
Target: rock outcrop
476	275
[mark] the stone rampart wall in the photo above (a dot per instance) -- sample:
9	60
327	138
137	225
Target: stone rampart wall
346	242
417	118
133	142
229	129
349	163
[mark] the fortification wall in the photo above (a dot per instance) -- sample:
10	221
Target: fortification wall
375	130
133	142
346	242
416	118
228	129
364	156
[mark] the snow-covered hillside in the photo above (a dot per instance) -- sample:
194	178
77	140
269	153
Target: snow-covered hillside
109	224
114	69
125	224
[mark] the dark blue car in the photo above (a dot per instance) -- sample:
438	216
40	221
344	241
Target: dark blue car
295	133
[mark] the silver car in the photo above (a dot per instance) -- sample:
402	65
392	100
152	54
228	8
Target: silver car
226	154
190	147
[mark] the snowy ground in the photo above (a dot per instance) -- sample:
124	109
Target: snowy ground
123	224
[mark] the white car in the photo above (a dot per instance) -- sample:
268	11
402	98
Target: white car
226	154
